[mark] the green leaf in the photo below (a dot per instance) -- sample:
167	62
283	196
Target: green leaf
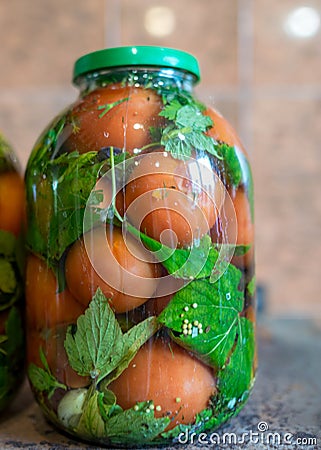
214	307
188	263
71	179
42	379
186	133
7	243
12	353
235	379
194	263
251	286
191	116
132	341
3	338
232	169
15	334
97	345
107	403
74	177
171	109
91	423
134	426
106	108
8	281
93	346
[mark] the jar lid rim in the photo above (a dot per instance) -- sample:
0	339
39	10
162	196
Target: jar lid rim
140	55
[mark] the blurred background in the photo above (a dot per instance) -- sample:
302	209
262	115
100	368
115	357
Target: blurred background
261	66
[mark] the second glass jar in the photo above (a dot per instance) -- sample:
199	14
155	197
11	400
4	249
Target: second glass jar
140	274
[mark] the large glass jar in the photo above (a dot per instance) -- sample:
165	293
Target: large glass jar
140	279
12	203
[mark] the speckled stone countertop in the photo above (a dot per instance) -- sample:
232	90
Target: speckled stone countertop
283	412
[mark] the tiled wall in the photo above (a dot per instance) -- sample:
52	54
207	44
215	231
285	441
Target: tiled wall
266	82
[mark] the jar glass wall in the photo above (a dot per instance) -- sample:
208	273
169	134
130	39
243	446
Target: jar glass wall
12	352
140	272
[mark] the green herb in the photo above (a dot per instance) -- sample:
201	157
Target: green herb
231	165
107	402
249	186
11	270
187	133
99	420
234	380
45	147
251	286
97	346
213	310
42	379
11	356
91	423
8	281
190	263
74	177
134	426
71	180
7	244
106	108
195	262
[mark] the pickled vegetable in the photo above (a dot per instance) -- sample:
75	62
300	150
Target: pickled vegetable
140	236
11	275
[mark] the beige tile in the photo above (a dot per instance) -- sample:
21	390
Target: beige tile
280	58
206	28
40	41
287	168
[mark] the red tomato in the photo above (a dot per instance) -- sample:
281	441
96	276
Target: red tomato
239	209
12	202
222	130
131	111
117	266
164	194
45	307
179	385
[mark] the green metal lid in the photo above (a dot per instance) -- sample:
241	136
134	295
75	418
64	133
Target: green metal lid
136	56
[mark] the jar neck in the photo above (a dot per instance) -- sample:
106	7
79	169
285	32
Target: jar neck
148	77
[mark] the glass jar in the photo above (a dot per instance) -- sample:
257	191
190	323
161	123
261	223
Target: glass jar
140	279
12	202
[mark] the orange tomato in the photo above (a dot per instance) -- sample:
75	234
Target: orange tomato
179	385
117	266
236	207
52	344
164	196
222	130
12	202
45	307
125	125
